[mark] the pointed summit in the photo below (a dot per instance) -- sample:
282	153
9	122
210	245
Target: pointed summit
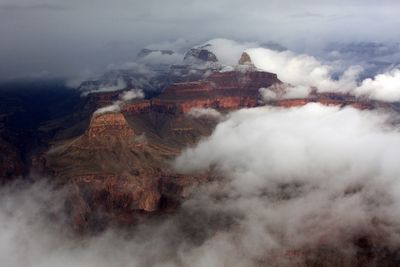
245	60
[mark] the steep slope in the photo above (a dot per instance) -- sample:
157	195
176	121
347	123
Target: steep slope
221	90
120	166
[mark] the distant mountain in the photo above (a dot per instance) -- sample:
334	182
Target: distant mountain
373	57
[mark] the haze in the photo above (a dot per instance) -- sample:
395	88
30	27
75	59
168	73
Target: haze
47	38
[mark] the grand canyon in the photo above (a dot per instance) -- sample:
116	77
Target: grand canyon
162	150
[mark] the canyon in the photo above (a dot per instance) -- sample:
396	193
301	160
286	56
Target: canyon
116	165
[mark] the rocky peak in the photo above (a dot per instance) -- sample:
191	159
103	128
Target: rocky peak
245	59
201	54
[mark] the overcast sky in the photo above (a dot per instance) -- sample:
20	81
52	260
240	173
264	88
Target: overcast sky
66	37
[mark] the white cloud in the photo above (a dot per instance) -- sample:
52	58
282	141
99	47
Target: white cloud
284	91
132	94
268	94
303	70
383	87
123	97
290	179
302	175
115	107
120	85
204	112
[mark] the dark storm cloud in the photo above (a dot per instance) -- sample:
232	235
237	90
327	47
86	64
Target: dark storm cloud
66	38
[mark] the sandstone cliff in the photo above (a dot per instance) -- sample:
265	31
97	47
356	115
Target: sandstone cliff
119	167
109	125
221	90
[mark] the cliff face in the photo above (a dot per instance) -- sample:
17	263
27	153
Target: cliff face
331	99
221	90
109	125
98	100
247	81
118	167
100	198
200	54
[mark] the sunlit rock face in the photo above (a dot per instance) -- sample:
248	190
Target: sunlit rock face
118	161
119	165
221	90
109	124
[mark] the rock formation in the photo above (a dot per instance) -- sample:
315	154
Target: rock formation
201	54
245	59
117	163
109	125
221	90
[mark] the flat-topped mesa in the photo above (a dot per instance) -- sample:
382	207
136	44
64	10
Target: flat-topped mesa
220	102
221	90
109	125
188	90
141	106
330	99
244	82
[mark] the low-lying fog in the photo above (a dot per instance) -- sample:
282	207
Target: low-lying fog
298	178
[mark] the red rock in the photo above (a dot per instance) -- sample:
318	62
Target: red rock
331	99
109	124
137	107
245	59
101	99
221	90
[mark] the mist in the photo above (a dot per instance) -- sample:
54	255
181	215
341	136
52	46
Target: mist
288	179
301	186
58	38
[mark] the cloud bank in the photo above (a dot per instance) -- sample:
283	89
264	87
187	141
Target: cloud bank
304	177
294	184
384	87
301	71
79	35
